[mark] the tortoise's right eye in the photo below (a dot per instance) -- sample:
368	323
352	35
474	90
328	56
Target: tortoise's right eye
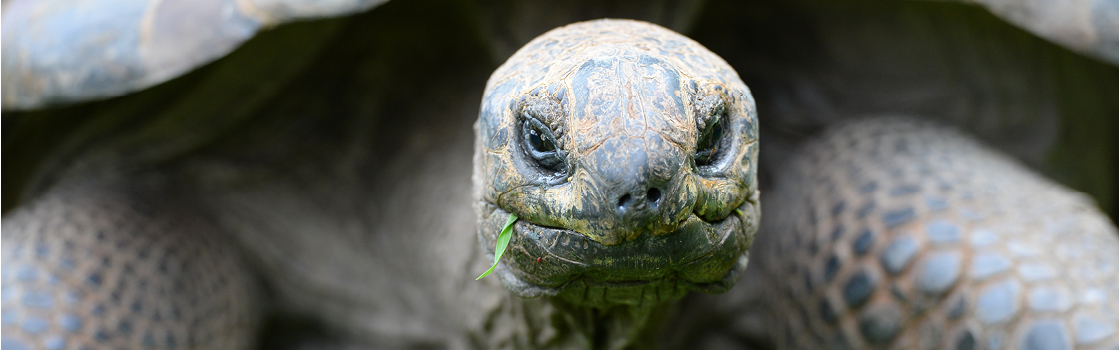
540	144
709	145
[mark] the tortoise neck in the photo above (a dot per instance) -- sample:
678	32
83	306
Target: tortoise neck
612	327
556	323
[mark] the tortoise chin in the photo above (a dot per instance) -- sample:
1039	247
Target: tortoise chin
699	255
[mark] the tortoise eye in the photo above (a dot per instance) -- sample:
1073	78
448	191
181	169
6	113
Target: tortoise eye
540	145
709	145
539	142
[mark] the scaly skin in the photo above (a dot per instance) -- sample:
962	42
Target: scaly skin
110	265
890	233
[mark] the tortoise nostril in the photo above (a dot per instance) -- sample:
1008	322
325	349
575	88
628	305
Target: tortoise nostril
626	202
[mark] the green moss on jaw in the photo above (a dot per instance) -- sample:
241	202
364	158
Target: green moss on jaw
503	242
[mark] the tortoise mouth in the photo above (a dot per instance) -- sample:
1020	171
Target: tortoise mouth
698	255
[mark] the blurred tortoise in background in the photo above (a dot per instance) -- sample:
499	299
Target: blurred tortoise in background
310	190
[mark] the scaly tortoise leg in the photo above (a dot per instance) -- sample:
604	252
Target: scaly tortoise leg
898	234
121	267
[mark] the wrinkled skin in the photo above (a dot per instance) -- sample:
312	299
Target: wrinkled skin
624	196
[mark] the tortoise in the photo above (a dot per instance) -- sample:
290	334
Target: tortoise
316	188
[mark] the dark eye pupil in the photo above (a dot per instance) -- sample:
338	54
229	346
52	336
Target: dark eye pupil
539	144
707	148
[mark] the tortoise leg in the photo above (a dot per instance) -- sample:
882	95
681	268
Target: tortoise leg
122	267
897	234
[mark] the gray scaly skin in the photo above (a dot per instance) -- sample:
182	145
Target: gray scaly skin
122	265
899	234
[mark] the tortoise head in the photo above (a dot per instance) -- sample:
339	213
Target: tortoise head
629	152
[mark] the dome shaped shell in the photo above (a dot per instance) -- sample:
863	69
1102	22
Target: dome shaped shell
59	51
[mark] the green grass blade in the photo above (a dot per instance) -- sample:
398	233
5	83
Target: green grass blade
503	241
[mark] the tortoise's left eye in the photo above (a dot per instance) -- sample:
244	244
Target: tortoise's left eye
540	144
709	145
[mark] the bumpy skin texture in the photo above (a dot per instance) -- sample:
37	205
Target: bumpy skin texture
899	234
111	266
645	187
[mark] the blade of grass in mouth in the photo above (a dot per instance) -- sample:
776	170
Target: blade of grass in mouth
503	241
